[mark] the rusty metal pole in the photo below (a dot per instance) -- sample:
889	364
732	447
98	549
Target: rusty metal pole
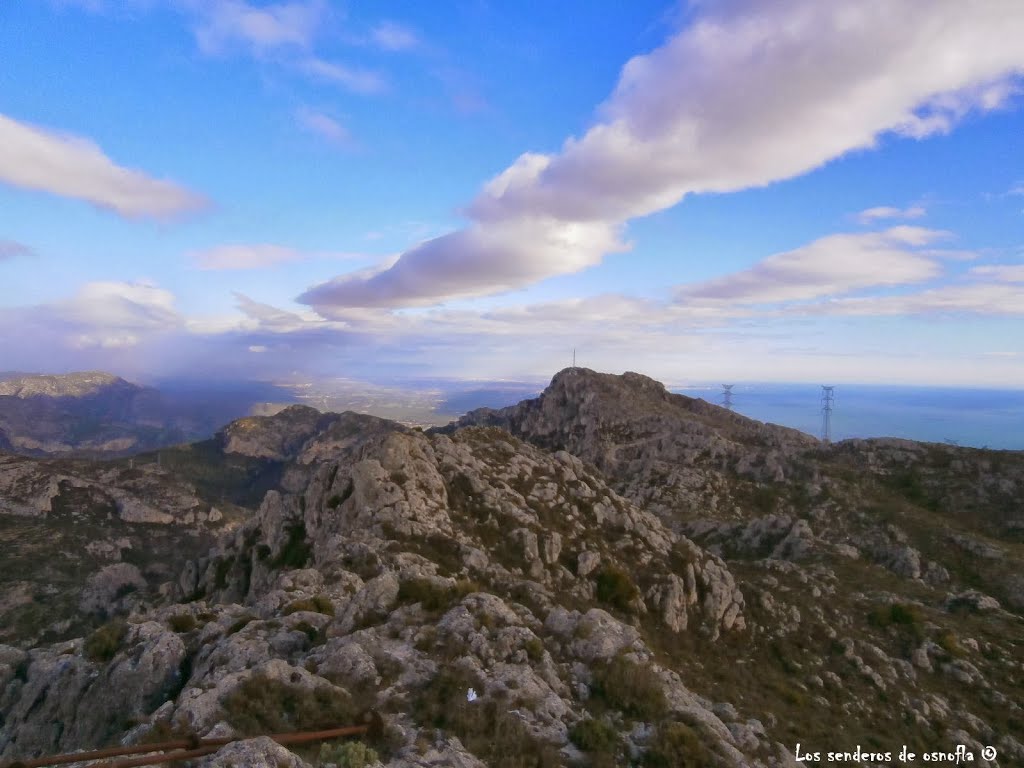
185	749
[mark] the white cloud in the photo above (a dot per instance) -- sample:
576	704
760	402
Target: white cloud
115	310
324	126
978	298
832	265
747	94
391	36
458	264
224	24
1003	273
353	79
62	164
871	215
230	257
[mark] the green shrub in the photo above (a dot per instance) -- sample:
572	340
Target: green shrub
182	622
434	596
264	705
592	735
427	592
676	744
534	649
348	754
316	604
616	588
296	550
105	642
947	641
633	689
895	613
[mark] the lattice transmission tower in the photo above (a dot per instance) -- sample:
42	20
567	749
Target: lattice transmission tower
827	399
727	395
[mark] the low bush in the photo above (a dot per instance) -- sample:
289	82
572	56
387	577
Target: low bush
296	551
633	689
675	744
316	604
596	736
105	642
264	705
182	622
901	614
348	754
616	588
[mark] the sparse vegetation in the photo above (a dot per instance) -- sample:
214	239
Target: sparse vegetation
434	595
633	689
348	754
676	744
316	604
596	737
103	644
901	614
182	622
296	550
486	727
615	587
239	624
265	705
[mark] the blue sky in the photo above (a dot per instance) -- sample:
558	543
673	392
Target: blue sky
792	191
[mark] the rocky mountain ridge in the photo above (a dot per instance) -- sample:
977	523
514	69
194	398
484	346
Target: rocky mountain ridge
770	590
99	415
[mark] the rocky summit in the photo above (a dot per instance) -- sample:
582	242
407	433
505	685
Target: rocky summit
609	574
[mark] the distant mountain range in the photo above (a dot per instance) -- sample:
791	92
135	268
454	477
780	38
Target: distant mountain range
97	414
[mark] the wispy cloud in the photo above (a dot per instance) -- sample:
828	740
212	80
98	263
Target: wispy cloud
872	215
747	94
326	127
391	36
237	256
351	78
975	299
241	256
831	266
223	25
70	166
10	249
1002	273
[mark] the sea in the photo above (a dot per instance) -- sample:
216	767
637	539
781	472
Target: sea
979	418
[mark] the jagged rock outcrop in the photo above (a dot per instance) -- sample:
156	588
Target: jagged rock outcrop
661	450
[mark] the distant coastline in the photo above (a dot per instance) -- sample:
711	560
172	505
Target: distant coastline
977	418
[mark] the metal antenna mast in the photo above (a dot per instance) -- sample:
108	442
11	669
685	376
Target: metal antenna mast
574	357
727	395
827	398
